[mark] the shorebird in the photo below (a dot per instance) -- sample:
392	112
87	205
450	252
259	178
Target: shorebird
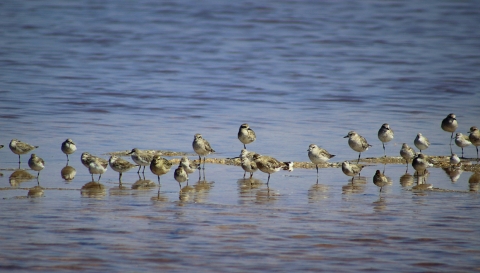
420	163
18	147
357	142
120	165
268	164
180	175
474	137
421	142
202	148
462	141
142	158
160	166
87	158
380	180
449	124
454	160
187	166
36	163
318	155
247	162
351	169
246	135
385	134
407	153
68	147
97	165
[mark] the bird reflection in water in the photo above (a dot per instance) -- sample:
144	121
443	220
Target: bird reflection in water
355	186
159	197
185	193
68	173
406	180
266	195
474	182
143	184
381	180
36	191
93	190
317	192
20	176
453	173
380	204
422	184
247	189
202	189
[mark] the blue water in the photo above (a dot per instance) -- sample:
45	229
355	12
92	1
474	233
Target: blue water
114	75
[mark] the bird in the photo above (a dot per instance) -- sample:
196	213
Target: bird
120	165
202	148
142	158
160	166
246	135
454	160
1	146
87	158
36	163
407	153
380	180
357	142
351	169
420	163
187	166
385	134
97	165
474	137
18	147
247	162
421	142
462	141
449	124
68	147
318	155
180	175
268	164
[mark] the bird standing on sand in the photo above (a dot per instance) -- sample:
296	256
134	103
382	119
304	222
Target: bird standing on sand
385	134
421	142
202	148
474	137
449	124
407	153
462	141
318	155
357	142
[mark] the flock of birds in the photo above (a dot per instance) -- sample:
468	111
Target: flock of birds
251	161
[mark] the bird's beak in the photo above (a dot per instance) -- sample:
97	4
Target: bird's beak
345	136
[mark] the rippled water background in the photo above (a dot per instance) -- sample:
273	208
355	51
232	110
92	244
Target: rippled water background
114	75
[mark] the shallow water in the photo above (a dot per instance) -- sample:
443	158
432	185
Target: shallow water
113	76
